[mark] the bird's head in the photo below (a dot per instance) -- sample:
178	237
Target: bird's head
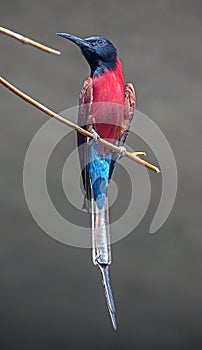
99	52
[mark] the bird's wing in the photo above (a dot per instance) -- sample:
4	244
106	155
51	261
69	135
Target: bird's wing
129	108
85	102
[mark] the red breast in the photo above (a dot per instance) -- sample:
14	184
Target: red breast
108	103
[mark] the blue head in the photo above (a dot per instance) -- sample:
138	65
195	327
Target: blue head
99	52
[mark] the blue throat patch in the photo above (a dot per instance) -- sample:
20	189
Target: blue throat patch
98	169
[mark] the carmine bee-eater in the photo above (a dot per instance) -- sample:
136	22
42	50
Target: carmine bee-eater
106	109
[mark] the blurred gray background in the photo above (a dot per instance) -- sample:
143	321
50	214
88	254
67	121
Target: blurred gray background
50	294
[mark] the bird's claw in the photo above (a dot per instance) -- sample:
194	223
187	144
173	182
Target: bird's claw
96	136
122	152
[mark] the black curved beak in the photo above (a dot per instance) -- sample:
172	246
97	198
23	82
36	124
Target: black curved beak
78	41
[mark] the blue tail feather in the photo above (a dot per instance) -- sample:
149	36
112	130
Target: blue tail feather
98	169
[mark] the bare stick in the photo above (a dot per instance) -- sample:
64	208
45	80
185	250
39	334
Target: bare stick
139	153
28	41
131	155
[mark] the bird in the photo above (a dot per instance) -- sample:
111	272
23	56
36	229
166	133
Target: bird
106	109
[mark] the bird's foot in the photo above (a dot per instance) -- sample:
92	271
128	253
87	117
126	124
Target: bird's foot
96	136
122	152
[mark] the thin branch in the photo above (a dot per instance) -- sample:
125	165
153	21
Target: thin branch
38	105
139	154
28	41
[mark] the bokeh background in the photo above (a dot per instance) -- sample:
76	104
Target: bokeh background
50	294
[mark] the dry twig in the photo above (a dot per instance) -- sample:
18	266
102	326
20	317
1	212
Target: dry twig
28	41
